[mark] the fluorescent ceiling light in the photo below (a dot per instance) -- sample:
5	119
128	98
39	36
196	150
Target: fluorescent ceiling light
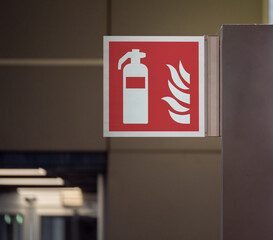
66	196
22	172
42	191
32	181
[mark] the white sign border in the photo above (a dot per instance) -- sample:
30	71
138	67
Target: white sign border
201	42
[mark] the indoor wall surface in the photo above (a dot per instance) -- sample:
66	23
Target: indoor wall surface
169	188
51	100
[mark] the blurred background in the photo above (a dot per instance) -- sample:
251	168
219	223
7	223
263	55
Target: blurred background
59	178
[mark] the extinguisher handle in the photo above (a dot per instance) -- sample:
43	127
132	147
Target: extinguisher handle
123	59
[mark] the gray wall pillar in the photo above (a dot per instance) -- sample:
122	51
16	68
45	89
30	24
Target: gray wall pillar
247	153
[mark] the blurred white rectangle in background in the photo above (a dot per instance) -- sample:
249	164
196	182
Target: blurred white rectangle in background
270	11
69	197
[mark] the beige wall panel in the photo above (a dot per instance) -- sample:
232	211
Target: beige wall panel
166	144
51	108
49	29
163	196
188	17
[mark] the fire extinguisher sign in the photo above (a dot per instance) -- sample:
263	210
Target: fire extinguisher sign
154	87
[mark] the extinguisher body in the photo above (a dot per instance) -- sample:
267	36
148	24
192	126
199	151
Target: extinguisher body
135	88
135	94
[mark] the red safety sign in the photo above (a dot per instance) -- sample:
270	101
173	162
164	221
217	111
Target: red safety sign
154	87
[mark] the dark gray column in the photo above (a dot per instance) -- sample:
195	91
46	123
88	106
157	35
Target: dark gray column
247	153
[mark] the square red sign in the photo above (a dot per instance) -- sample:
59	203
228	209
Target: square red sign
154	86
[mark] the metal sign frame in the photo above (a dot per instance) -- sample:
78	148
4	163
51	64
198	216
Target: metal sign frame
201	67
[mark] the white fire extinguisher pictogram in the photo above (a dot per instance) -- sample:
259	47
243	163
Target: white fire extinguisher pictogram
135	88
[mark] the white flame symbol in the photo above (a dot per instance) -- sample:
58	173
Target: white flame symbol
181	94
